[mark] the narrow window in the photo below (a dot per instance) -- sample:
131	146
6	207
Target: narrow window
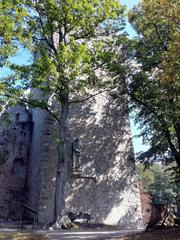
17	117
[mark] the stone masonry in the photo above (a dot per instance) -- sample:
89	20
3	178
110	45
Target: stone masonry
15	142
107	187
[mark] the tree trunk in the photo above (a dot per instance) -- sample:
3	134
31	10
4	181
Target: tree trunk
177	129
175	153
62	171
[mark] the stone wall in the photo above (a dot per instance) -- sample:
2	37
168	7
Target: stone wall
108	187
38	148
48	173
15	142
36	157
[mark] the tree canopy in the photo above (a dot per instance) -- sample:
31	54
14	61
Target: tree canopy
12	16
158	183
13	35
153	83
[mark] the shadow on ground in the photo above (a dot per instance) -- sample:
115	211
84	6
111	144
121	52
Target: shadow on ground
159	234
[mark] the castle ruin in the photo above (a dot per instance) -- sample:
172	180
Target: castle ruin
105	185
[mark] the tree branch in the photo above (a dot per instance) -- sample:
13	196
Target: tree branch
167	134
51	45
91	96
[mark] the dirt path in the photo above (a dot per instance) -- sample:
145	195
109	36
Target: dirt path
63	235
21	236
161	234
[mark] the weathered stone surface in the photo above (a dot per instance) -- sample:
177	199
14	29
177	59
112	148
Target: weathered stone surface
15	141
106	186
112	197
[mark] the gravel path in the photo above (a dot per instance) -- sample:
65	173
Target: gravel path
88	235
5	234
92	234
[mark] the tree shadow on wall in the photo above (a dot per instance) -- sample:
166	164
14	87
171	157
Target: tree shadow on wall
110	194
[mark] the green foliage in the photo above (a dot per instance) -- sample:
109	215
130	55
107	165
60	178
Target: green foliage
73	42
153	84
13	34
157	181
12	16
70	40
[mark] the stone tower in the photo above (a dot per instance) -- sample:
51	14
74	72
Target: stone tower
105	185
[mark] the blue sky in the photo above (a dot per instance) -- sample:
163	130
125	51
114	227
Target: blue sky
23	57
137	142
129	3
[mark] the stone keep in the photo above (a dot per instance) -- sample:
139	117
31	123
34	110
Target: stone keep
107	186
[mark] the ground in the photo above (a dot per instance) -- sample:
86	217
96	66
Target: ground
21	236
161	234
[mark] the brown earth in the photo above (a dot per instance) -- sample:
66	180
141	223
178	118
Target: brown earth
159	234
21	236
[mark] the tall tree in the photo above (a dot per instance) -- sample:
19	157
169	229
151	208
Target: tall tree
158	183
72	40
13	15
152	82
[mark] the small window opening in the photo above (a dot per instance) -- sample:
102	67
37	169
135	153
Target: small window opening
17	117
